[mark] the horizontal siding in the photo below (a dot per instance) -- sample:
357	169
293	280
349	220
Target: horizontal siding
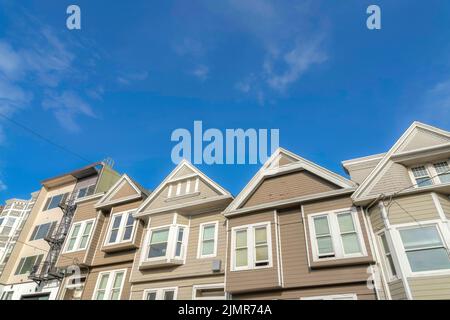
394	178
421	139
85	211
288	186
327	205
125	191
430	288
376	218
445	203
397	290
408	209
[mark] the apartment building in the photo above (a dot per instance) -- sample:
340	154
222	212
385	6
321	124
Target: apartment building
405	195
31	271
183	250
12	219
102	243
294	233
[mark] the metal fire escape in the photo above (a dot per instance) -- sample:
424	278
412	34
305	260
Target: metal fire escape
47	271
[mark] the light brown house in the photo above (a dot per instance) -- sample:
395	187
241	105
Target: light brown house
405	193
102	242
182	255
293	233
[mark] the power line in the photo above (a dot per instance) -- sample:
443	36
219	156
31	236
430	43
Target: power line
40	136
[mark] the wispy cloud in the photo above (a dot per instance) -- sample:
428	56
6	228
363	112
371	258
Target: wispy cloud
201	72
3	186
436	105
126	79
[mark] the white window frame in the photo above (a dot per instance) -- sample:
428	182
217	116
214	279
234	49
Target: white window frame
171	243
209	286
346	296
251	246
121	228
443	232
190	186
200	239
429	166
83	188
79	235
110	283
160	293
335	233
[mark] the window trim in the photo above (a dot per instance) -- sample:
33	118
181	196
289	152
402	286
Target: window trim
429	166
160	293
333	224
251	246
208	286
37	229
386	265
200	240
122	227
110	283
87	189
171	243
83	224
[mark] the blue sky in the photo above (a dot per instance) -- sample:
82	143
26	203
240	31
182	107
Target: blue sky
140	69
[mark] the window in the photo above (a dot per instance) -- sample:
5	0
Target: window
121	228
167	243
55	201
351	296
443	171
7	226
109	285
43	230
422	176
161	294
251	247
183	187
336	235
7	295
26	264
424	249
209	292
388	257
207	246
79	235
87	191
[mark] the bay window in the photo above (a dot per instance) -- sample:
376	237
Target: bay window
167	242
121	228
431	173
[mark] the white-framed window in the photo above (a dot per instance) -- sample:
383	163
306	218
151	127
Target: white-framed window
121	228
207	239
86	191
109	285
336	235
8	225
183	187
7	295
251	247
79	235
166	242
388	259
161	294
430	173
209	292
350	296
425	248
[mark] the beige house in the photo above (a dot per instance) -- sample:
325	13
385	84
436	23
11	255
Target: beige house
293	233
106	255
405	195
182	255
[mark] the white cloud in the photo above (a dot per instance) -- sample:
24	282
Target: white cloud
3	186
436	105
201	72
131	77
189	46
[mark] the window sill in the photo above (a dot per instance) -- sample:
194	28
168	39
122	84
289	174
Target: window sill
341	262
118	247
145	265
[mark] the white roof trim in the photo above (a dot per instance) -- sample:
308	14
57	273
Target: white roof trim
267	170
415	125
169	178
112	191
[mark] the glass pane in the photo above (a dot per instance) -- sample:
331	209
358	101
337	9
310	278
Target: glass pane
441	167
208	247
391	265
444	178
87	228
75	231
241	238
127	233
325	245
118	280
130	220
346	222
55	201
113	236
151	295
209	232
180	234
420	172
261	235
100	295
157	250
169	295
262	253
71	244
423	182
115	294
420	237
351	243
178	249
385	244
83	242
103	281
160	236
42	231
241	257
428	260
321	225
28	264
116	223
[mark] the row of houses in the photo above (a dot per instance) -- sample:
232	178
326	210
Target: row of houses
296	231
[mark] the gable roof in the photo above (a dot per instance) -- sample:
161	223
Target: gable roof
280	162
108	200
183	170
399	146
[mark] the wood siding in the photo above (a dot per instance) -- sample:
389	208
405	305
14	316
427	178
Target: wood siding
395	177
422	139
445	203
411	208
397	290
376	218
430	288
126	190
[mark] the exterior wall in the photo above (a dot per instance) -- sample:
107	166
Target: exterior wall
445	203
422	139
376	219
288	186
126	191
397	290
359	172
418	208
395	177
430	288
30	288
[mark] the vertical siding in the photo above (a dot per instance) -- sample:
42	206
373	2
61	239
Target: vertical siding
430	288
408	209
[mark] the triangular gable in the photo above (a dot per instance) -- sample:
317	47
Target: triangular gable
417	136
123	190
282	163
184	171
